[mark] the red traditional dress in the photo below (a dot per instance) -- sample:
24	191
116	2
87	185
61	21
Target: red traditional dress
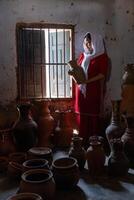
89	102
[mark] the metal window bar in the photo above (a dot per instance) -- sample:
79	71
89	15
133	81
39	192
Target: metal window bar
49	62
64	64
57	66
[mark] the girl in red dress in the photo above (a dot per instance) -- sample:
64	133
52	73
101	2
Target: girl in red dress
89	95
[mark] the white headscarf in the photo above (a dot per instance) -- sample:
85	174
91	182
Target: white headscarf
98	49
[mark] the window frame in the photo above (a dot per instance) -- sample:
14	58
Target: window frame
44	25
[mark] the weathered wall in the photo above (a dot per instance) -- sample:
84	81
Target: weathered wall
113	19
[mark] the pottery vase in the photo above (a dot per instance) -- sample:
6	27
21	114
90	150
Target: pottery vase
63	132
95	158
127	105
114	130
128	139
45	124
7	145
118	163
77	151
25	129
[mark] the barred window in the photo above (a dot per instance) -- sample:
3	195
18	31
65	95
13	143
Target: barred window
43	53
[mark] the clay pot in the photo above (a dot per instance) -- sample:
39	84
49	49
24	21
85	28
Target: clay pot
118	163
8	116
25	129
39	181
128	76
35	164
3	163
25	196
41	152
66	172
77	151
64	131
45	123
128	139
127	105
14	170
6	142
95	158
18	157
114	130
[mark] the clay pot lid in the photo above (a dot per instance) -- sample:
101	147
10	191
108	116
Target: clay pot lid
40	150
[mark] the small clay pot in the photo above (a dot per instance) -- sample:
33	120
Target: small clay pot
39	181
66	172
41	152
35	164
25	196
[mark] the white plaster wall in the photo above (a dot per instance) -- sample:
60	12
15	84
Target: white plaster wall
113	19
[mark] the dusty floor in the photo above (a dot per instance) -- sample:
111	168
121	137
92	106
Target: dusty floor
101	188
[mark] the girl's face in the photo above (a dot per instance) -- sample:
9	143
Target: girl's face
87	45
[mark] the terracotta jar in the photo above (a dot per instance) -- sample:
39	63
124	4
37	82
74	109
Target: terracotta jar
41	152
39	181
6	142
118	163
95	158
35	164
45	123
25	196
128	139
25	129
114	130
64	131
127	105
77	151
66	172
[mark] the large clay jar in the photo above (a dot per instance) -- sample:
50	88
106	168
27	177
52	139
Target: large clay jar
25	130
25	196
118	163
95	158
128	139
41	152
114	130
39	181
127	105
66	172
77	151
64	131
7	145
45	123
35	164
